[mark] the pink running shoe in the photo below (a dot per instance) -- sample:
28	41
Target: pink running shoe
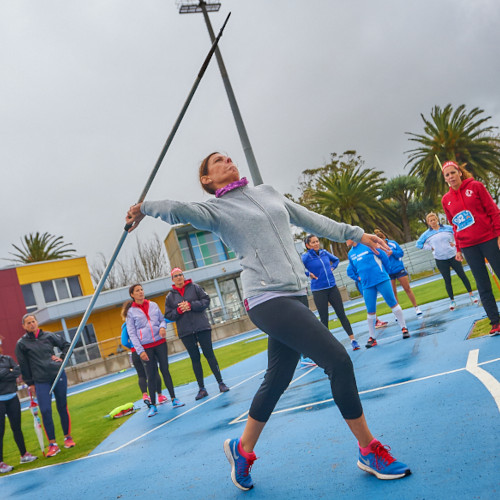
380	324
162	399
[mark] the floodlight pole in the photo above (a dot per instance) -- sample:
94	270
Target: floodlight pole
245	141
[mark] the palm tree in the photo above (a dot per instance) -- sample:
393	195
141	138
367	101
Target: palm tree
455	135
38	247
403	191
352	195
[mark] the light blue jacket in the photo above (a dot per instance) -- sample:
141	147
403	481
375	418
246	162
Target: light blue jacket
255	223
142	329
321	266
439	242
363	263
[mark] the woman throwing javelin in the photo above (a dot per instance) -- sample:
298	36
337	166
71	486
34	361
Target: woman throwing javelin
475	217
255	223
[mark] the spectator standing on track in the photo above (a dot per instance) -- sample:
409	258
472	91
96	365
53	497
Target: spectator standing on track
255	223
397	270
319	266
136	361
146	328
186	304
11	407
39	367
372	271
475	217
439	238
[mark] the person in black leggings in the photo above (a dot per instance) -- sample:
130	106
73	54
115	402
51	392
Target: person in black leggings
137	363
319	266
439	238
147	331
10	406
186	305
255	222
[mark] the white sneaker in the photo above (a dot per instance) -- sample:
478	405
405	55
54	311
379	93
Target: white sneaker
27	457
418	312
452	305
5	468
474	299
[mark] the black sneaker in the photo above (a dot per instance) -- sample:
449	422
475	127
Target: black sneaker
406	333
201	394
223	387
371	342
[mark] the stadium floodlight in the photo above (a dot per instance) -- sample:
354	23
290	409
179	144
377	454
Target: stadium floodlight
194	6
204	6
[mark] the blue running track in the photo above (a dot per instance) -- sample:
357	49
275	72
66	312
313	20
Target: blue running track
434	398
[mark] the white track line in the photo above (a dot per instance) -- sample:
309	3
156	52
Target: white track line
493	383
488	380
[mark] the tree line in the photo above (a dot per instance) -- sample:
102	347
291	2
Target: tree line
343	189
348	191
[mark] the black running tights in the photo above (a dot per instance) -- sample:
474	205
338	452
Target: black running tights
294	329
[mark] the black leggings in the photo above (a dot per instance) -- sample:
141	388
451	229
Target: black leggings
141	374
475	256
12	408
204	338
444	268
332	295
294	329
158	355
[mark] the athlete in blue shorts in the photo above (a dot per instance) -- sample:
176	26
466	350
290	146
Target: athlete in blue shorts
372	271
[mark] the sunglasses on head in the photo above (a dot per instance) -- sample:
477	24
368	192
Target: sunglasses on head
177	275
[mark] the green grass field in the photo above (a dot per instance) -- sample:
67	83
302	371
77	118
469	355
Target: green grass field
87	409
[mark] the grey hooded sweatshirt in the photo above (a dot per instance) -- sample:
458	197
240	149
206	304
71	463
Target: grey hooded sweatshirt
255	223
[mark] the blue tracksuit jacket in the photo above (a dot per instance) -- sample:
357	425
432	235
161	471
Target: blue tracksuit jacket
364	264
321	266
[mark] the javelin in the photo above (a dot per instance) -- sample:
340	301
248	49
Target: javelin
141	199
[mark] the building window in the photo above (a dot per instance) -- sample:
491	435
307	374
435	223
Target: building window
203	248
29	298
38	295
86	348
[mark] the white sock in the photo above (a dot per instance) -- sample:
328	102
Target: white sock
371	324
398	312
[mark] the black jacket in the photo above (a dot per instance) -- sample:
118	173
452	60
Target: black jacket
192	321
9	372
35	356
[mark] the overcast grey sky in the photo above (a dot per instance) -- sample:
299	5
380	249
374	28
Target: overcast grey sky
90	91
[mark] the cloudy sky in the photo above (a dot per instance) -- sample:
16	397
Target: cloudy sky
90	90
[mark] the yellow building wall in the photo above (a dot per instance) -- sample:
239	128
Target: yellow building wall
107	326
55	269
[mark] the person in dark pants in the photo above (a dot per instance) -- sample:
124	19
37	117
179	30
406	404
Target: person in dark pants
186	305
439	238
10	406
319	266
475	217
136	361
146	328
39	367
255	222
